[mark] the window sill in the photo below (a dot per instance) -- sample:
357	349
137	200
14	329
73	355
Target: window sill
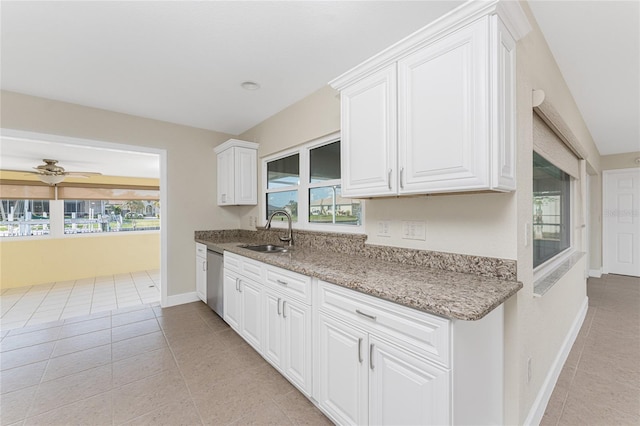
542	284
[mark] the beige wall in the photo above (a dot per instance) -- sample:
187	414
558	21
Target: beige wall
620	161
190	166
46	260
537	326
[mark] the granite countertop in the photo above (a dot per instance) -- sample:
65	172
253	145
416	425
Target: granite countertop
449	294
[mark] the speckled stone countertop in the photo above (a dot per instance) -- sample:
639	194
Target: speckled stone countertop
449	294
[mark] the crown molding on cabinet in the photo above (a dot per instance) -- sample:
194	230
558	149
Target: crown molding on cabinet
509	12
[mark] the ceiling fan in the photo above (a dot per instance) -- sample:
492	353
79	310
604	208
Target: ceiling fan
52	174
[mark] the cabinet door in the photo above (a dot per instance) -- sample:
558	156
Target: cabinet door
443	117
342	369
369	141
405	389
297	344
251	312
232	305
201	278
272	342
246	180
225	178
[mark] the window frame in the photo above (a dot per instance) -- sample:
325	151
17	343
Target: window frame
552	263
303	188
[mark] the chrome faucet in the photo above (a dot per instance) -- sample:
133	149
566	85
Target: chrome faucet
287	238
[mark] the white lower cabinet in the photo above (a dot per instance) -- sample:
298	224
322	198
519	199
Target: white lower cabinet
363	360
365	379
342	371
243	307
404	389
201	271
287	338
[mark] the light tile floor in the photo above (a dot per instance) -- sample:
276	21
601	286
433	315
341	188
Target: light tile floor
600	381
38	304
184	365
143	365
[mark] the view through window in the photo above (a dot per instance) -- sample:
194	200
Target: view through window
551	210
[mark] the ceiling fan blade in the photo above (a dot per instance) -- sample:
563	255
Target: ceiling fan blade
20	171
82	174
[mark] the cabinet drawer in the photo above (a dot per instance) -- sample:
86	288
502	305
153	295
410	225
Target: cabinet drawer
201	250
290	283
428	334
244	266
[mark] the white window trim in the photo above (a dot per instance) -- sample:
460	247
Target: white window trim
303	190
552	264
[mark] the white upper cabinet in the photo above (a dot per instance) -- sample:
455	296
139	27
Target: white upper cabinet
369	125
436	111
237	173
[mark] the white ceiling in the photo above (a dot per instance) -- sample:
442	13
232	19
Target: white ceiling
183	62
25	154
597	47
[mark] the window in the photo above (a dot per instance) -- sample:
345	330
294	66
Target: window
22	218
85	216
551	210
306	183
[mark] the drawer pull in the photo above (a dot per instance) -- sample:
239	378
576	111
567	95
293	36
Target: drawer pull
371	356
282	282
371	317
237	285
283	311
278	306
360	350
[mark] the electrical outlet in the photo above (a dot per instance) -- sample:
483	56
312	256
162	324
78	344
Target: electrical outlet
384	228
414	230
529	371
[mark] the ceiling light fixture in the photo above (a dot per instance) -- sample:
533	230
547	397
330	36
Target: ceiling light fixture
250	85
51	179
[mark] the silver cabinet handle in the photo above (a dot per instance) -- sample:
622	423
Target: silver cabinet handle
371	317
204	265
371	356
282	282
240	285
389	178
278	306
237	285
360	350
402	178
283	311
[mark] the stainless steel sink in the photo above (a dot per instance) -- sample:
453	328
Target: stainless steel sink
267	248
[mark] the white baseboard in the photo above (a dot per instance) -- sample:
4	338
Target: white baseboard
181	299
540	404
596	273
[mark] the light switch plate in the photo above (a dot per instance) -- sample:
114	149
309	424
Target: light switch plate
414	230
384	228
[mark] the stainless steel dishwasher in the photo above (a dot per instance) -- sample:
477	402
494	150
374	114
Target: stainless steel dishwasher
215	281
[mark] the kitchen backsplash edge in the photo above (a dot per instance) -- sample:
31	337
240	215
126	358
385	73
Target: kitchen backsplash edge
504	269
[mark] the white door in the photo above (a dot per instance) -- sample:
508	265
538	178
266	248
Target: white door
225	178
245	176
621	222
201	278
251	324
405	389
343	374
273	329
369	140
443	138
231	300
297	344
